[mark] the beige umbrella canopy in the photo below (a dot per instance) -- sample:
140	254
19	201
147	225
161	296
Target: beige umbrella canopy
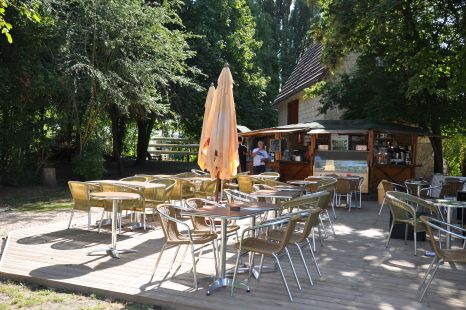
206	127
221	157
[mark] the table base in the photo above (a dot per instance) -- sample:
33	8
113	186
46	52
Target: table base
115	253
139	225
226	282
255	270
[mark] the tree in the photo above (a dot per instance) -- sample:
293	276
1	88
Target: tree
411	61
26	10
225	32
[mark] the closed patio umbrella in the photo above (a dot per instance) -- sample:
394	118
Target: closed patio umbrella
206	127
221	157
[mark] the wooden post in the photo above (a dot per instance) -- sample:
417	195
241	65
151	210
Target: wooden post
370	147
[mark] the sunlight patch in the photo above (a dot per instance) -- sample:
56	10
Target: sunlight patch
371	233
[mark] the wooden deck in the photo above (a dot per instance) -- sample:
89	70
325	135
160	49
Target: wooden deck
358	271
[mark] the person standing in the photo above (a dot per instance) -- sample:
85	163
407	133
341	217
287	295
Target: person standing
259	158
242	153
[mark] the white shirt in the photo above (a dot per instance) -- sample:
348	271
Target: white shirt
257	160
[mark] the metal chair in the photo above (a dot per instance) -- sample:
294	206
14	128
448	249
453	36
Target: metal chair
343	188
329	185
388	187
200	173
206	189
450	187
159	195
245	183
235	195
456	256
403	212
80	192
268	248
182	190
300	239
258	187
174	238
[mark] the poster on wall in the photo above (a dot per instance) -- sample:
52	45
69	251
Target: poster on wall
339	142
275	145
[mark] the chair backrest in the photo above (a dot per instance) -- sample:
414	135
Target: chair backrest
450	187
167	214
311	221
181	188
258	187
308	201
199	172
199	223
272	174
208	186
234	195
387	186
136	178
288	233
343	186
188	174
354	184
245	183
163	194
80	193
399	207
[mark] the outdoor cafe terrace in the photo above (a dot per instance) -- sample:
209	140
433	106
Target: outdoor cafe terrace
358	270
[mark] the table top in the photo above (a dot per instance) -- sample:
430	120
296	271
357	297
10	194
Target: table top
291	188
449	203
247	209
264	176
417	182
131	183
115	195
302	182
270	193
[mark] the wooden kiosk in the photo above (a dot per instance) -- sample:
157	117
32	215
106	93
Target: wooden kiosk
373	150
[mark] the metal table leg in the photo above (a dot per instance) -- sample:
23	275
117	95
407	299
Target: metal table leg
113	251
449	216
222	280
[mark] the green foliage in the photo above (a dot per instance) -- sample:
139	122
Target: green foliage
315	90
90	164
411	61
27	10
454	150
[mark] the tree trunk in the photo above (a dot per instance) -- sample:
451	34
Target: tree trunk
144	130
118	131
436	142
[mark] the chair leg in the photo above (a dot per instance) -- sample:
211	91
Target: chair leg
292	268
71	217
330	221
251	264
214	252
415	240
89	220
314	257
439	262
390	234
406	233
260	267
236	271
333	207
304	263
381	206
283	277
194	267
427	274
100	223
157	263
174	257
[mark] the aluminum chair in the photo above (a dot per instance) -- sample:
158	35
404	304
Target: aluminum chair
390	186
136	178
80	192
174	238
456	256
403	210
268	248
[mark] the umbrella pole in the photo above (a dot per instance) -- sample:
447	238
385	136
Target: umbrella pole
221	190
218	185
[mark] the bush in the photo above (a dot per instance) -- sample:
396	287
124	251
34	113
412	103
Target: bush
90	164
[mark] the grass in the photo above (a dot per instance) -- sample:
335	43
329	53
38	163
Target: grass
37	199
25	296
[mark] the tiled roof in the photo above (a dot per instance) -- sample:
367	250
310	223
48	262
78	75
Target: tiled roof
307	72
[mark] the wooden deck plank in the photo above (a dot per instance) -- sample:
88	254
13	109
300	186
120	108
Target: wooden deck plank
358	271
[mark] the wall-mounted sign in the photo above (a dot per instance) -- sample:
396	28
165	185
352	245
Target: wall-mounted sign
275	145
339	142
